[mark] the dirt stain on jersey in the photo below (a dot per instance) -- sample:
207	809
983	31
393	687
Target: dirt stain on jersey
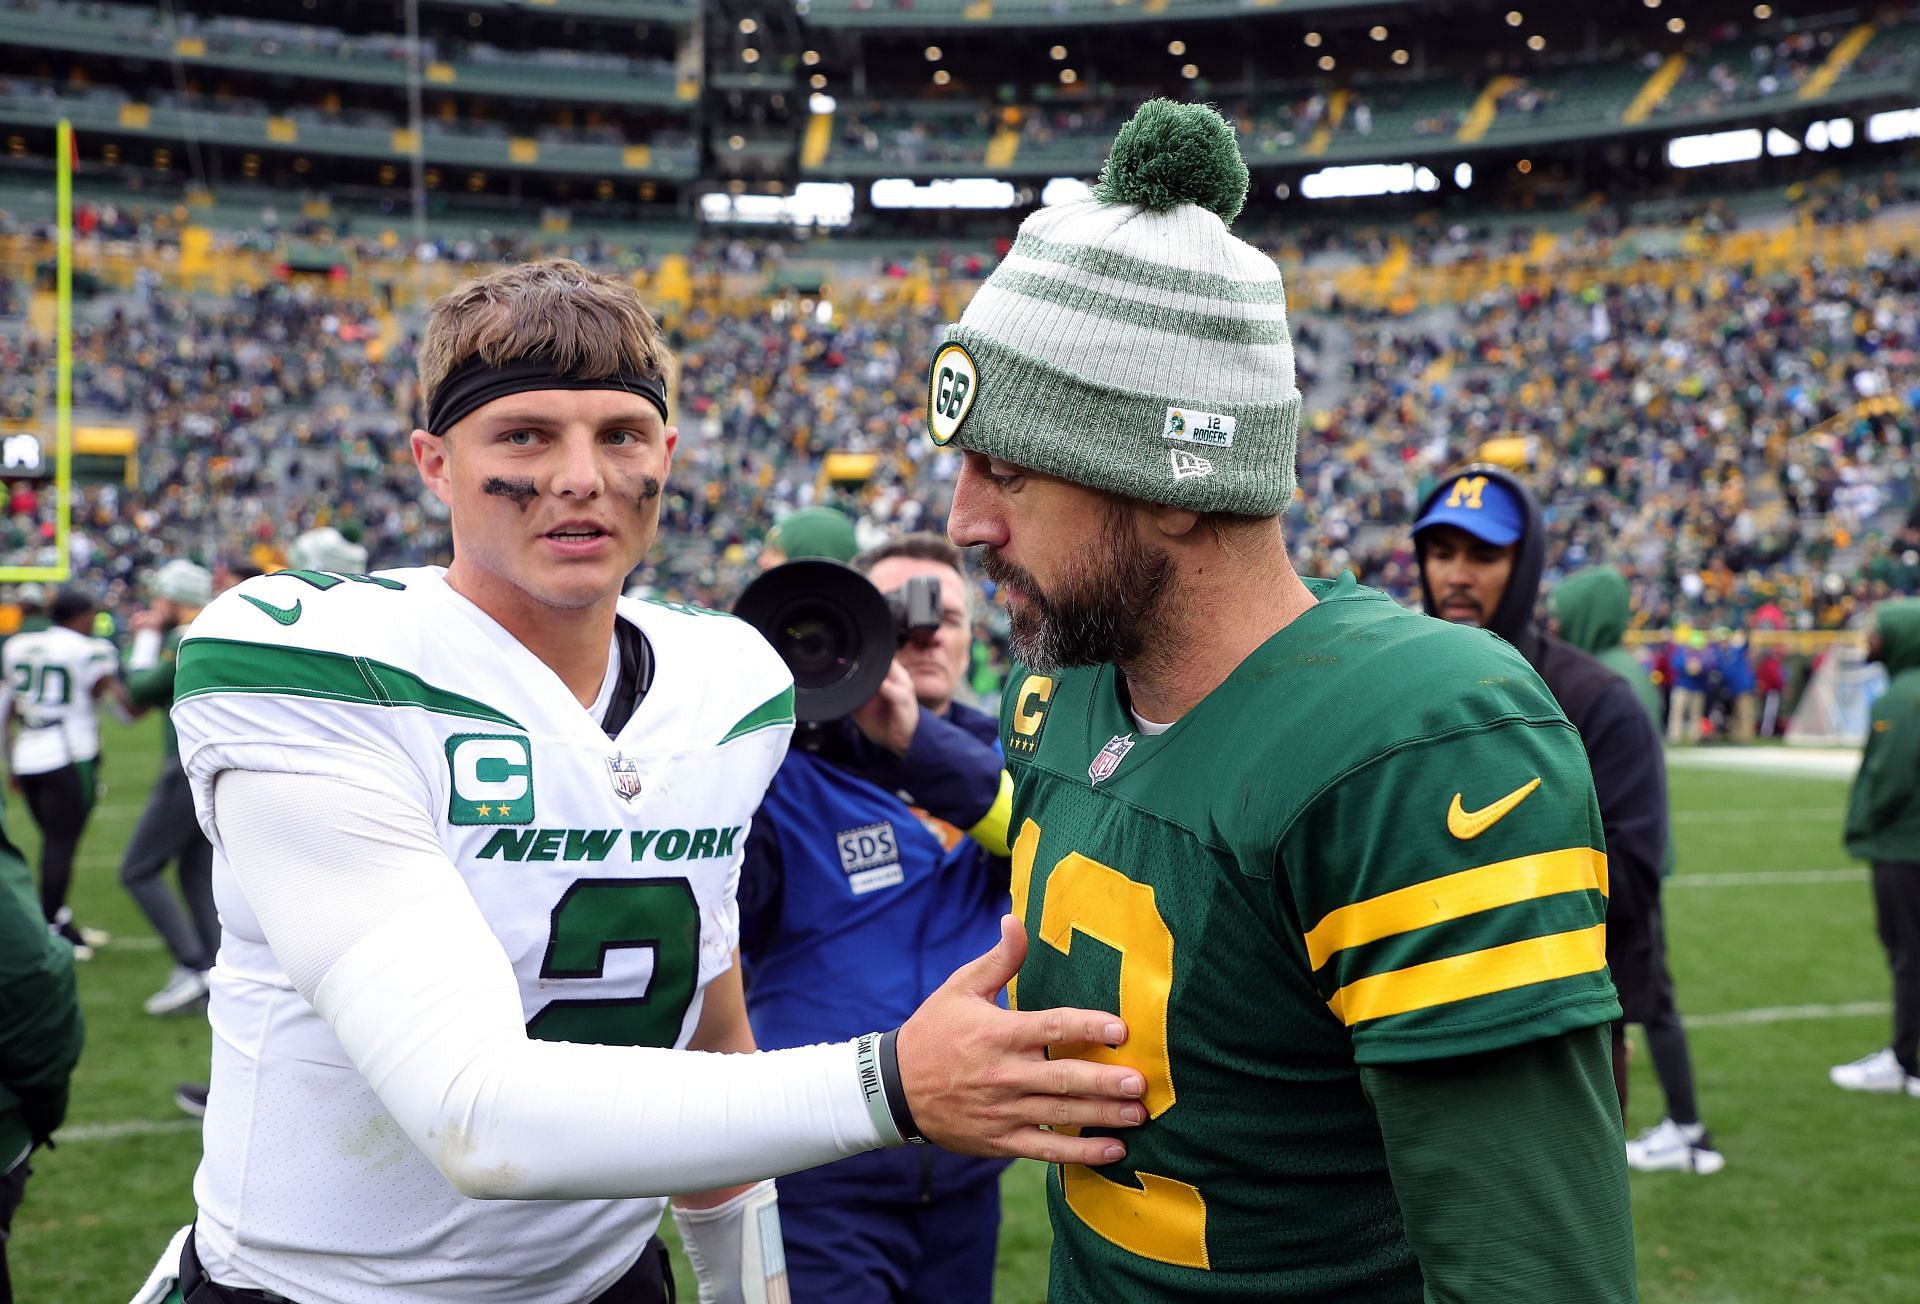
453	1150
520	490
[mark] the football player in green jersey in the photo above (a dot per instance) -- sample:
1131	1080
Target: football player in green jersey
1341	864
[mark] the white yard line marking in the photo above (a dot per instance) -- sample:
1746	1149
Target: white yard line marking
1788	1014
1768	878
1806	762
1727	1019
125	1128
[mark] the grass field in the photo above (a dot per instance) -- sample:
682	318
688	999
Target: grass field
1772	945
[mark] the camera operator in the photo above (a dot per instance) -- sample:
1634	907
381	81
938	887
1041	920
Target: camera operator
875	867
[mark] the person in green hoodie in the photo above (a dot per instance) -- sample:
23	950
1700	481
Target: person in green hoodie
40	1035
1590	609
1883	827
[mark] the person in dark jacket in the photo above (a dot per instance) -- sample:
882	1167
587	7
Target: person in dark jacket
1590	610
1883	827
1482	547
40	1035
875	865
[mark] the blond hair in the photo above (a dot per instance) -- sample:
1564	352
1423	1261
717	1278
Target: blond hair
586	324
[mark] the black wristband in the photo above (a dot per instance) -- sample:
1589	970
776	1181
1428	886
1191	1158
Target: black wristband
896	1096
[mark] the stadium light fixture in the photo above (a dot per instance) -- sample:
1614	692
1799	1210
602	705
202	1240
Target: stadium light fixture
1676	24
1068	76
1283	191
813	203
1189	70
1895	124
1400	57
1515	18
1714	148
1524	166
736	141
933	54
1377	32
1652	4
1840	132
1360	180
1313	40
1536	42
1065	190
750	55
941	76
1326	63
1176	48
968	192
1057	53
1763	12
1780	144
821	104
818	81
1463	175
810	57
748	27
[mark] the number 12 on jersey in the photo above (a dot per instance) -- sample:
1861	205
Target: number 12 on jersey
1163	1218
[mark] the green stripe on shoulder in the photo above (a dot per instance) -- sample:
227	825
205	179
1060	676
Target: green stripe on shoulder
219	665
776	710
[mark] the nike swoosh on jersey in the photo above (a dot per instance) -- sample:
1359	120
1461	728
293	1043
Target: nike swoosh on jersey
1467	825
285	615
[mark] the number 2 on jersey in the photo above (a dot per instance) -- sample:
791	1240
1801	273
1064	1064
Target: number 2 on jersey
598	915
1163	1219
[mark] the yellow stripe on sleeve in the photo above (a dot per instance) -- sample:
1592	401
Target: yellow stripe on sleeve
1477	973
991	832
1469	892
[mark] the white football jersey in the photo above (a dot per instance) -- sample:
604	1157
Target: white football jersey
606	867
50	678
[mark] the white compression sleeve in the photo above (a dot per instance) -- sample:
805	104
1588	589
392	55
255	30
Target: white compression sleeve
145	652
376	928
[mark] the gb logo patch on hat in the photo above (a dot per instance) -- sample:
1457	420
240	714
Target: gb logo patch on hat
951	389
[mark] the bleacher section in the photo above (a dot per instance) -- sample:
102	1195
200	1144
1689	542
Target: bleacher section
947	14
329	55
1393	119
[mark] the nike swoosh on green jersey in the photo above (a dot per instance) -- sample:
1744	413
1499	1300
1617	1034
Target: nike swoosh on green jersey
285	615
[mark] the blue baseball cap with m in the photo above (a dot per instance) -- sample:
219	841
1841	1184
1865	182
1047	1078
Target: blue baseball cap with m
1480	505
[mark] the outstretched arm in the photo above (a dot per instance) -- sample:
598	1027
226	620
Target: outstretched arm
376	928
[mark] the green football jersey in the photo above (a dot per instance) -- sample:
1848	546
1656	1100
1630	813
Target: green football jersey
1376	843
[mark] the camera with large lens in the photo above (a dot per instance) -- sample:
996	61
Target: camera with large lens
835	630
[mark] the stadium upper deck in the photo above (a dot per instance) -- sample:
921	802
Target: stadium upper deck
581	113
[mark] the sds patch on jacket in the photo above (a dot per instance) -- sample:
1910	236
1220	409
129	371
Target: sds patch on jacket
870	857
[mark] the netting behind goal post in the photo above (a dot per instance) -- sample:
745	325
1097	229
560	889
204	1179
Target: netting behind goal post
1834	709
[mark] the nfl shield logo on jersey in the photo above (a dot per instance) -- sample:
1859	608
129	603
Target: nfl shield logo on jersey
625	773
1110	757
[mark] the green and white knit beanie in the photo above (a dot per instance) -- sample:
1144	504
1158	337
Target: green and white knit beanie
1129	342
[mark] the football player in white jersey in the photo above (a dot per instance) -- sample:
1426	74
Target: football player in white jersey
53	680
478	833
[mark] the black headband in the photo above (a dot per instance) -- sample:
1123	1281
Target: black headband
475	383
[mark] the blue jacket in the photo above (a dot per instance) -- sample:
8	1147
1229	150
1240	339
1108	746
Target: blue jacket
1693	667
859	895
1735	667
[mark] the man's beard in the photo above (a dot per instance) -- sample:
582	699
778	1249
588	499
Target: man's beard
1104	610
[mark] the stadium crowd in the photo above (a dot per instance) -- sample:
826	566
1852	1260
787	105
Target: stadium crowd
1737	448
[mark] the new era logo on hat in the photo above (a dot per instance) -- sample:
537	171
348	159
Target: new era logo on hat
1481	506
